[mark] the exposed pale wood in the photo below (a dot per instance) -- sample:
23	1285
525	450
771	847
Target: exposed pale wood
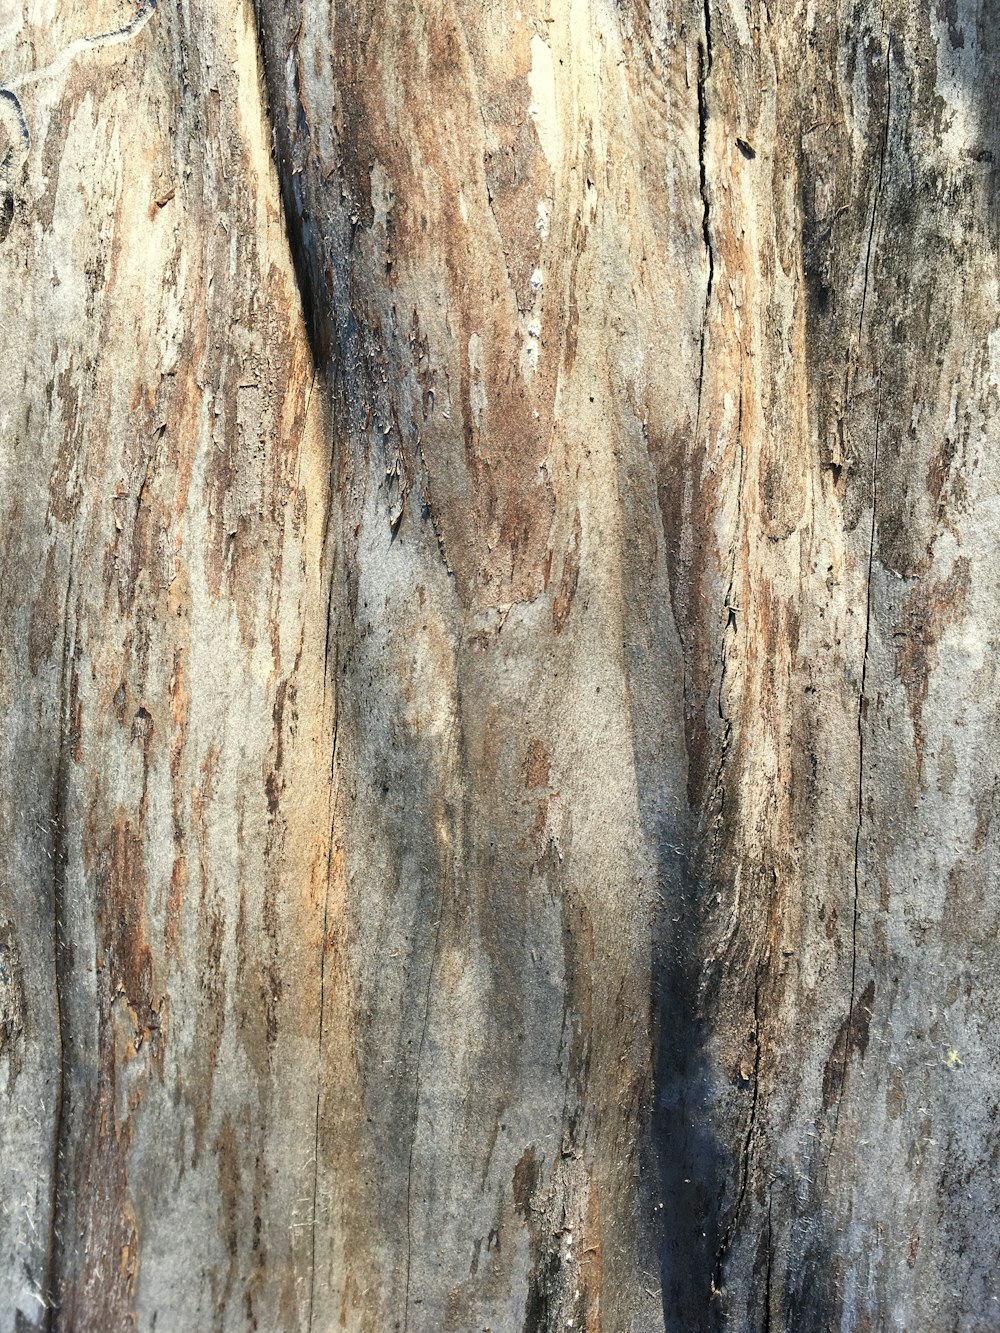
164	801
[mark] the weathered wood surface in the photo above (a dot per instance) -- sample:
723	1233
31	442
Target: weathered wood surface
165	804
499	695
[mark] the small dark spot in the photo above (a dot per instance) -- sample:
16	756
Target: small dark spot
272	793
525	1180
6	213
119	703
142	726
745	149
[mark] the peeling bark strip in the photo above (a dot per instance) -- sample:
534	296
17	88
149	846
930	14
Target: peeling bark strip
499	760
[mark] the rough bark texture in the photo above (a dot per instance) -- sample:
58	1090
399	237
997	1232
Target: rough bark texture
499	681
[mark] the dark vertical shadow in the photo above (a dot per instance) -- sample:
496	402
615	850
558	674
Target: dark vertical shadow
977	47
693	1164
687	1165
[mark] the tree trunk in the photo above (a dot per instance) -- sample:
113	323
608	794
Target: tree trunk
500	737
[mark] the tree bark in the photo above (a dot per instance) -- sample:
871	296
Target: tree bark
500	732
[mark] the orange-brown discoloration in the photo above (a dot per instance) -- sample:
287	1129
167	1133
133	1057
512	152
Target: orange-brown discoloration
563	601
591	1246
130	1026
536	765
927	613
124	952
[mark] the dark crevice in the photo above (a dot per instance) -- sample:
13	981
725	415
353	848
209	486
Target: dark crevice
701	374
329	682
868	602
746	1155
294	216
310	290
768	1268
848	1046
61	961
704	69
878	186
322	978
732	609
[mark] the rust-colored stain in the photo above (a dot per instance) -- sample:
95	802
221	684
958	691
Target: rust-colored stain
175	902
536	765
569	578
99	1294
912	1248
927	612
590	1249
486	421
124	953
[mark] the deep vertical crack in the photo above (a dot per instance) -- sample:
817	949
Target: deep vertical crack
60	959
704	69
747	1150
769	1269
283	142
868	600
732	609
883	149
322	954
861	754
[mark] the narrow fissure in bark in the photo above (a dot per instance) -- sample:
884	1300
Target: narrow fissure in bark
732	609
868	604
746	1155
60	966
310	290
848	1047
704	69
322	976
769	1266
883	149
